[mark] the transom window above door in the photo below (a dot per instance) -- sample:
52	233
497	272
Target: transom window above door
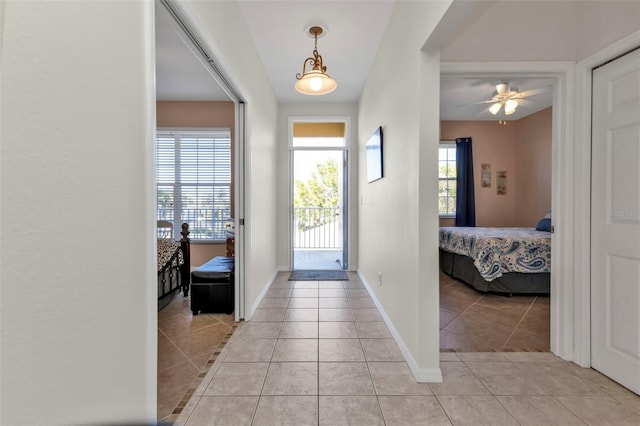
318	135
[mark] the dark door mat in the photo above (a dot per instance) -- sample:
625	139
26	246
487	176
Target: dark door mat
318	276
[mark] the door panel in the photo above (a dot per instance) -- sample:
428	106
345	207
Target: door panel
615	221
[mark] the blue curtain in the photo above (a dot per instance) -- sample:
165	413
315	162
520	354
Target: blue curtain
465	198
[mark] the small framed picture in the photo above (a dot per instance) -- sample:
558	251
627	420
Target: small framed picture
485	175
501	182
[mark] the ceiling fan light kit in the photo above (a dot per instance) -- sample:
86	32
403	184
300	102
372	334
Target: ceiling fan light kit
510	106
504	95
493	109
315	81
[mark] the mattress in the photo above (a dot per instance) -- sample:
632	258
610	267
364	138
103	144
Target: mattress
496	251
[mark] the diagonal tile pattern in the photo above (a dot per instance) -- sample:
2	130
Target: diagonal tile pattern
186	345
472	321
346	369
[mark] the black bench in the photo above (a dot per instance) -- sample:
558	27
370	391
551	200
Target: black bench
212	286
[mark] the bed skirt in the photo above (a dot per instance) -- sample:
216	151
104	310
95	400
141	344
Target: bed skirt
463	269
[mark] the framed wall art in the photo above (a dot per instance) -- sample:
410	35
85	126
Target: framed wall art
485	175
501	182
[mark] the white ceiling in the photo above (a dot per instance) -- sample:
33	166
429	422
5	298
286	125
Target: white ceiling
459	96
180	74
354	31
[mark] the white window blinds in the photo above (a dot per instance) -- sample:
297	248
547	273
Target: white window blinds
194	181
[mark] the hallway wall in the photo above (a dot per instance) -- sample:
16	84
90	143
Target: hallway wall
398	213
78	261
78	254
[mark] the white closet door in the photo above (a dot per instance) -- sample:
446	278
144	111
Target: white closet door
615	221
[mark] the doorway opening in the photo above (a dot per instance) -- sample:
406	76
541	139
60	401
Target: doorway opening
200	121
476	320
319	188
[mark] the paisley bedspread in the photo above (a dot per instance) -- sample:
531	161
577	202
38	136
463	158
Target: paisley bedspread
496	251
166	249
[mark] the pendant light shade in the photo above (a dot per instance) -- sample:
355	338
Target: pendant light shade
315	81
493	109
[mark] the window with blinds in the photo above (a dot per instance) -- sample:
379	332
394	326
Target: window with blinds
194	181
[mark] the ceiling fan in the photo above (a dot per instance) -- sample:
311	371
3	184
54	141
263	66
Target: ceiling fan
507	96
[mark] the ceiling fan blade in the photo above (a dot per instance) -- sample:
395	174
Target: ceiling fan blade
532	92
476	103
490	101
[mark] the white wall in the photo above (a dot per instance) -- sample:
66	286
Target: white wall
286	110
222	27
78	276
398	216
78	280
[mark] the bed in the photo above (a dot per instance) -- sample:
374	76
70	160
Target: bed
501	260
173	265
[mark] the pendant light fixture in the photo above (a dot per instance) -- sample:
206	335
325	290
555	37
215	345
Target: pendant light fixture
315	81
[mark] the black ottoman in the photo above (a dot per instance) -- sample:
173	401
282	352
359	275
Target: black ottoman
212	286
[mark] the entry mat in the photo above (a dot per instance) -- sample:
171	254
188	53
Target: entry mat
318	276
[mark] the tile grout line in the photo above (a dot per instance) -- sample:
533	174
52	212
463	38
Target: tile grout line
519	322
186	397
489	390
255	410
230	328
442	408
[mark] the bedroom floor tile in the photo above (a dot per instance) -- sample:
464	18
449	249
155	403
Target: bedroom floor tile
199	343
187	348
172	385
472	321
352	372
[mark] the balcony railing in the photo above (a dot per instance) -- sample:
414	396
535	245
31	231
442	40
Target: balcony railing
317	227
204	224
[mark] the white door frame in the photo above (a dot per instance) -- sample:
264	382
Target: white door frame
202	52
562	243
571	186
582	191
347	195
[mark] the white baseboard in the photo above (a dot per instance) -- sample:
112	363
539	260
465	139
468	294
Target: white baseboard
422	375
261	296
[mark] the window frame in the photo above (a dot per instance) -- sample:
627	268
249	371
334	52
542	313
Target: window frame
448	144
178	133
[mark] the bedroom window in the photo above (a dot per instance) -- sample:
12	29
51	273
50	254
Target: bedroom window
447	180
194	181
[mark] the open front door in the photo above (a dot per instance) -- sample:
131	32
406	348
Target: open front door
319	196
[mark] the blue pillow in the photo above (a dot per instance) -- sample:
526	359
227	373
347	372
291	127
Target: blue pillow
544	224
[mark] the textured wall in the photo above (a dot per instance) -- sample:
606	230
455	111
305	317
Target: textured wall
78	307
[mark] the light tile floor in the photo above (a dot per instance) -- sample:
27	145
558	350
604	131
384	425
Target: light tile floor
305	359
